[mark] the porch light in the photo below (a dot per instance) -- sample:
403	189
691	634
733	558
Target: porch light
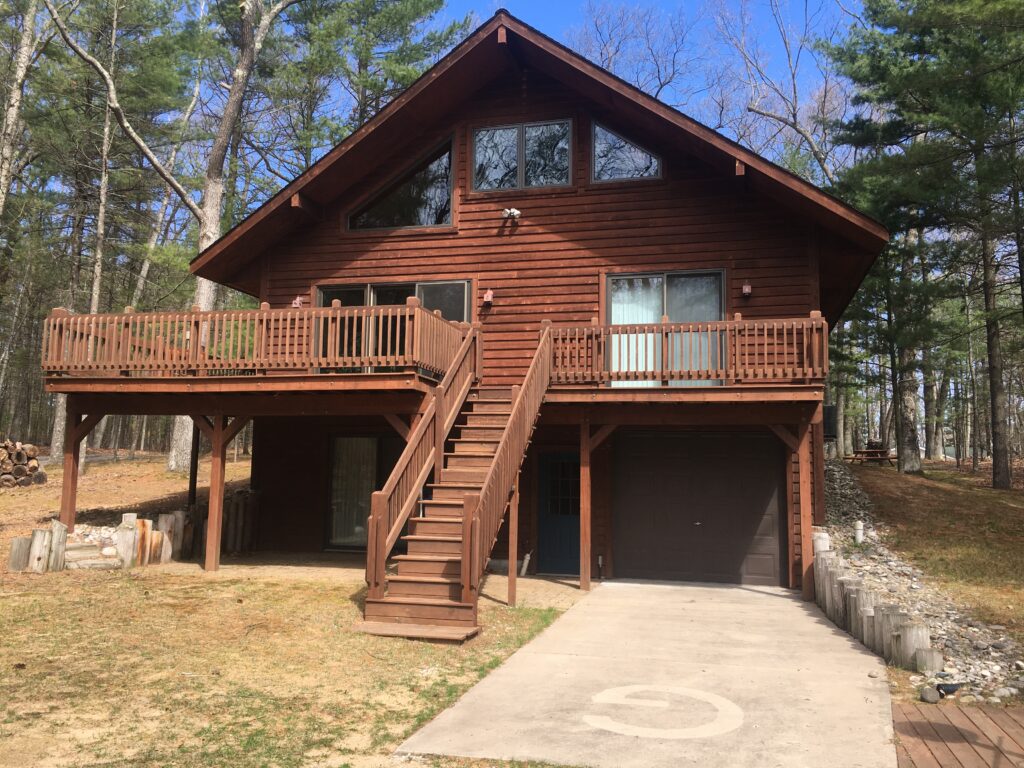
747	290
488	297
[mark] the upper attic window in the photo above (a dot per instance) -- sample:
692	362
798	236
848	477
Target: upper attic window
518	156
423	198
615	158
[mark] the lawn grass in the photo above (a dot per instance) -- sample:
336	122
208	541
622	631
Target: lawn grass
966	537
161	669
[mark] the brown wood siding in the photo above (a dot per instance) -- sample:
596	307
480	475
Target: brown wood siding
553	263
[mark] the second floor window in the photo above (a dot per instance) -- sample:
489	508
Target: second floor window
519	156
423	198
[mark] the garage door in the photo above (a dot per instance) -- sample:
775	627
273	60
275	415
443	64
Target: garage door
698	506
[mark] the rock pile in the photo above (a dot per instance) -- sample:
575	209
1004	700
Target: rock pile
981	657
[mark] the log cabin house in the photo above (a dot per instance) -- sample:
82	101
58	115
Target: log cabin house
525	310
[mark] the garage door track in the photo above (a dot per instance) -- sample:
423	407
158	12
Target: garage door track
651	675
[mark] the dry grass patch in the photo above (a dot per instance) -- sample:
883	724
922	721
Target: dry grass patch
160	668
968	538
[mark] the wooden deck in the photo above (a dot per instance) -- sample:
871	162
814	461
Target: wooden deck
954	736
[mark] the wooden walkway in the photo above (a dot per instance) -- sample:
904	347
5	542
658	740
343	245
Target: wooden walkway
951	736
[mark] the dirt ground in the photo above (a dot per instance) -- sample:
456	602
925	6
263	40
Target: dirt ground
966	536
255	665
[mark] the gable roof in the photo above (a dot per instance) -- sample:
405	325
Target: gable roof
478	59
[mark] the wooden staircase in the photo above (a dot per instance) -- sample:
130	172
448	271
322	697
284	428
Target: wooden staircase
424	588
446	499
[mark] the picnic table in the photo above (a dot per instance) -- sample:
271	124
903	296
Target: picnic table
877	455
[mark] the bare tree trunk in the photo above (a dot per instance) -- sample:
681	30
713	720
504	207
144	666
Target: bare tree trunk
16	91
1001	476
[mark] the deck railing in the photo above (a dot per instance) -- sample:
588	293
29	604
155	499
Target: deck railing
311	340
729	352
391	506
482	513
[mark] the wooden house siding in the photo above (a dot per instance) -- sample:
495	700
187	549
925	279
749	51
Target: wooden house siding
553	263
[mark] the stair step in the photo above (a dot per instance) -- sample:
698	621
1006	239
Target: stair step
480	431
487	419
452	491
464	460
445	525
462	445
503	407
420	610
434	587
418	544
464	474
429	565
417	631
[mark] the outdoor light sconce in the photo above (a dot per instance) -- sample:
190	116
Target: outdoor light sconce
488	298
511	213
747	290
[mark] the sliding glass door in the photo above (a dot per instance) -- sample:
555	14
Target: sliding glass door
682	297
353	480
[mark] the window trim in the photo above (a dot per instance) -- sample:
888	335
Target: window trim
609	276
594	125
521	155
393	180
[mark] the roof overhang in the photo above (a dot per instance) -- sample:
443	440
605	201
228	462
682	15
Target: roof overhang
477	60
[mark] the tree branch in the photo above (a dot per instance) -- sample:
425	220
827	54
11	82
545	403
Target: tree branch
122	120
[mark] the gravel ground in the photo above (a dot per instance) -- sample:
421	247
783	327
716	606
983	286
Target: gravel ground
981	657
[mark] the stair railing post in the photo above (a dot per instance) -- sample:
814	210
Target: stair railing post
470	505
376	538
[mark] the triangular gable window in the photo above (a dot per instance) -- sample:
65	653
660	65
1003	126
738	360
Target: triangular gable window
423	198
615	158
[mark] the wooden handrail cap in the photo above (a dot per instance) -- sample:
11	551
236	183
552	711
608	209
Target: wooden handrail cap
815	314
412	301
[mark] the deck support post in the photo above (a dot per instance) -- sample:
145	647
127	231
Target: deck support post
215	508
806	511
193	470
585	504
513	542
77	427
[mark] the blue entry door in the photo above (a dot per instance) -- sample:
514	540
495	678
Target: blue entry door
558	513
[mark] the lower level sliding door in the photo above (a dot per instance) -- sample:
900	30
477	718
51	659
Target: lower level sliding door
353	480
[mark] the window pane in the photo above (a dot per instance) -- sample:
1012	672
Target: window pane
547	154
422	199
349	297
496	158
694	298
636	299
384	295
616	158
450	298
353	479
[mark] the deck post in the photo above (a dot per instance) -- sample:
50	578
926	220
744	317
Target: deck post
215	509
806	511
513	542
193	470
585	504
76	429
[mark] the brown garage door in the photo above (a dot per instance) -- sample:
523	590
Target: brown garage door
698	506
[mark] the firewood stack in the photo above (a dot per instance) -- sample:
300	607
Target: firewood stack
19	465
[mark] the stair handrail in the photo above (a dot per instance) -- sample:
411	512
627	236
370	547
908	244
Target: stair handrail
391	506
483	512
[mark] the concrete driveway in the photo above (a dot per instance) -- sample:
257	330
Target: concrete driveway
645	674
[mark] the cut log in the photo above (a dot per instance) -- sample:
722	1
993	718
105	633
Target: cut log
928	661
3	453
8	481
912	637
39	551
24	482
19	456
33	465
30	450
19	471
6	465
144	529
38	478
18	561
178	536
58	544
156	546
124	541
